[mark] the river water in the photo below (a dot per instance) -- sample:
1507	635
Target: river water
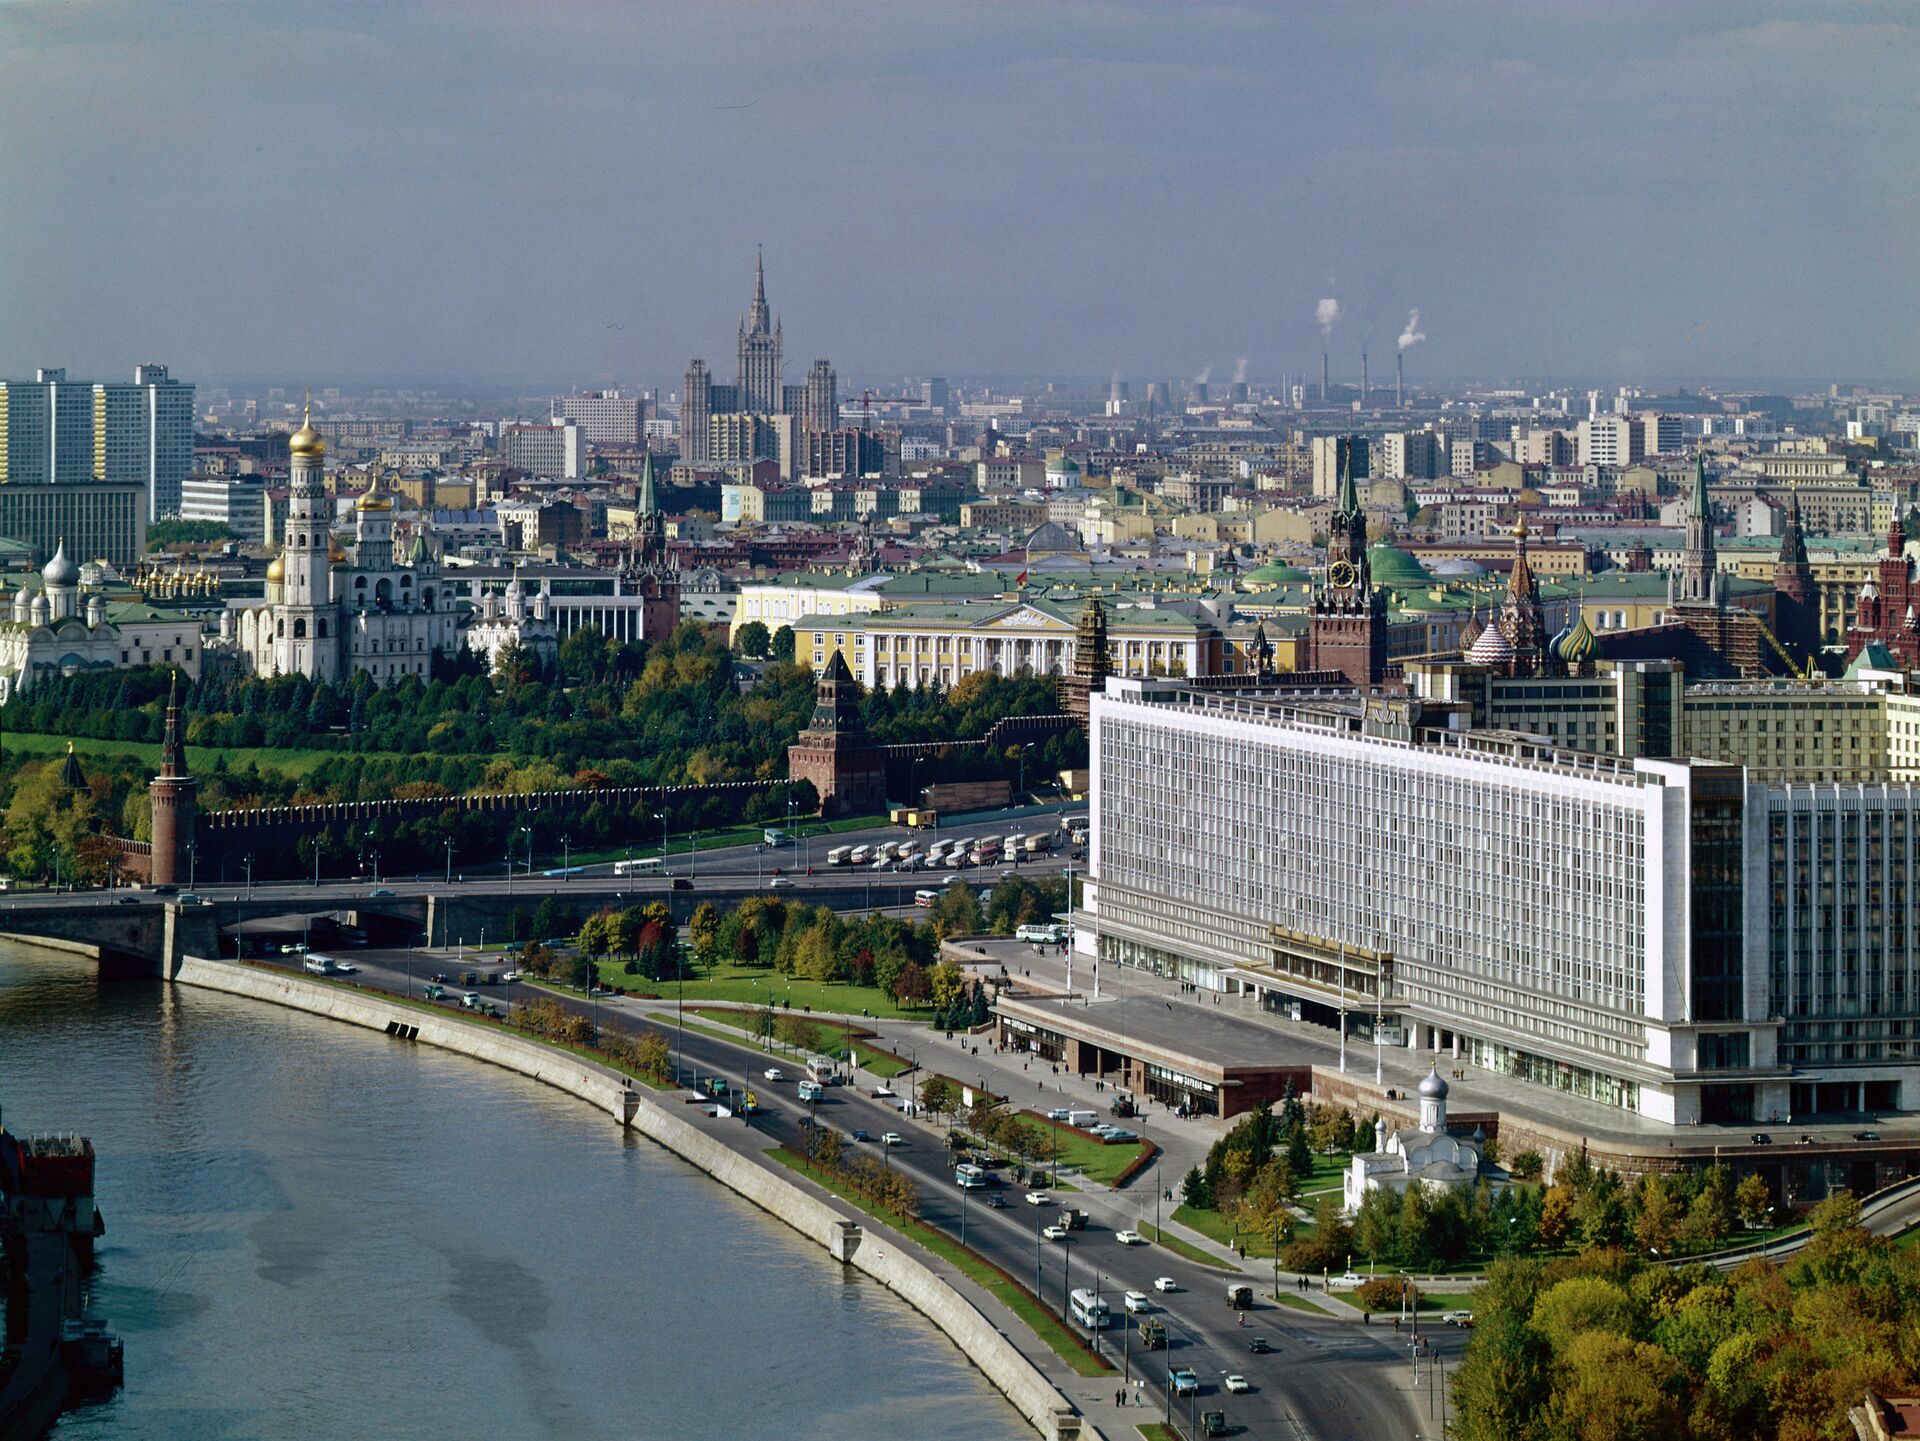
314	1231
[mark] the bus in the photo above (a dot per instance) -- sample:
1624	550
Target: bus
838	855
970	1177
1090	1310
859	855
820	1068
649	867
925	898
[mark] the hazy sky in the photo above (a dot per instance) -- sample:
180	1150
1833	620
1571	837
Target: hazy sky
571	193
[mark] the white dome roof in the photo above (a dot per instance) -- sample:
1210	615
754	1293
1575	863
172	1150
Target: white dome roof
60	570
1493	647
1434	1085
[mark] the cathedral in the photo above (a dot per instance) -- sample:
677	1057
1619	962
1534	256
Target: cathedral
330	613
1887	611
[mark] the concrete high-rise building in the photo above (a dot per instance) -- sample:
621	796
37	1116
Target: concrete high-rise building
236	501
1611	440
1662	434
556	450
937	396
104	458
605	417
820	403
1337	455
1411	455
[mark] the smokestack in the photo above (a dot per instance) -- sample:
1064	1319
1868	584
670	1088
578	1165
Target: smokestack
1323	377
1363	375
1400	380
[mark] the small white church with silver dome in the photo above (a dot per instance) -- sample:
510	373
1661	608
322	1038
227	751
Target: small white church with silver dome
1428	1155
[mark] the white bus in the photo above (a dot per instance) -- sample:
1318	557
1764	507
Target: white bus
838	855
648	867
925	898
969	1177
859	855
1090	1310
820	1068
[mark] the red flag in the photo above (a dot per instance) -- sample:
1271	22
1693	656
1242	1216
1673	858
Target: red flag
1020	579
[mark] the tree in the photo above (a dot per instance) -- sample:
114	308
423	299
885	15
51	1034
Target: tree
704	928
1710	1218
764	1021
753	640
798	1032
938	1096
1580	1304
1754	1201
1556	1217
652	1055
1658	1215
1267	1201
1504	1381
912	988
782	645
1300	1151
1614	1389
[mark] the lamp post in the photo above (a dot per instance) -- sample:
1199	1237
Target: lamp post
566	857
693	854
249	873
449	860
376	866
193	854
661	816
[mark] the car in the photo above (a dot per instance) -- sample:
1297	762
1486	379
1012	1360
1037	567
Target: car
1054	1233
1761	1138
860	1135
1039	1198
1130	1238
779	883
950	880
1259	1345
1237	1385
1457	1318
1184	1382
1351	1278
1138	1302
127	901
438	977
345	968
471	1000
892	1138
507	978
188	898
1866	1135
1059	1113
996	1201
774	1073
1113	1136
1165	1283
379	893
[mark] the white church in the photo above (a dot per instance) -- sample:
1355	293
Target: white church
1427	1155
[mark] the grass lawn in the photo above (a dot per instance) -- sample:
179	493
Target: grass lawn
1184	1248
1084	1154
1158	1431
756	986
1217	1227
284	762
1297	1302
681	843
1044	1324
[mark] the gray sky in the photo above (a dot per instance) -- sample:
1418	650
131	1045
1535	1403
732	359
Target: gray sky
571	193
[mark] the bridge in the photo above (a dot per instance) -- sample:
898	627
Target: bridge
140	933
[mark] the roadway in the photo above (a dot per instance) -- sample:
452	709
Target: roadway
1325	1379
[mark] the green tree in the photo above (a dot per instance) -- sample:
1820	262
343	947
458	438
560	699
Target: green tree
1711	1216
1755	1202
752	640
704	929
1581	1304
937	1094
1611	1388
782	644
1267	1201
1505	1380
764	1021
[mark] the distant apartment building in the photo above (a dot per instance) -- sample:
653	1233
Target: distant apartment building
1544	447
1663	434
1410	455
828	454
239	502
556	450
1611	440
605	417
1331	454
102	458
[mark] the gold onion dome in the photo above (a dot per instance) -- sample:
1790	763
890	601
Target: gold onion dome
306	440
336	556
276	571
373	499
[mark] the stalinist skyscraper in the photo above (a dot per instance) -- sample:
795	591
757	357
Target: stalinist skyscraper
759	385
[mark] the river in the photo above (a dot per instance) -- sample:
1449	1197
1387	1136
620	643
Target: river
314	1231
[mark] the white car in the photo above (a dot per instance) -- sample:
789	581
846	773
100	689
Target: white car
1351	1278
774	1073
950	880
1237	1385
1166	1283
1054	1233
1130	1238
891	1138
1138	1303
779	883
1039	1198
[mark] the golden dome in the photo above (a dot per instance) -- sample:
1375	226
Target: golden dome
336	556
306	440
276	571
373	499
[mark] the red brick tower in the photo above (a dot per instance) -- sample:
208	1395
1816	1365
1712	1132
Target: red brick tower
172	795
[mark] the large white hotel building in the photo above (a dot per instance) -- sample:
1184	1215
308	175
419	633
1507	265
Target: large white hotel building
1672	937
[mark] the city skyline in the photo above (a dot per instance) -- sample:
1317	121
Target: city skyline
1630	194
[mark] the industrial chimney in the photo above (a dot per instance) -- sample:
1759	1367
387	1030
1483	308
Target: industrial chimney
1400	380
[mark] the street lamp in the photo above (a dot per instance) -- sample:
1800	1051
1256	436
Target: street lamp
193	851
449	860
661	816
566	856
249	873
376	866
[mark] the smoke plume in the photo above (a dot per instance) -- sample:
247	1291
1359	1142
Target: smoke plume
1326	315
1206	374
1412	335
1240	370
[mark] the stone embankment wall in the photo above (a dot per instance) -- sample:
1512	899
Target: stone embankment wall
1050	1413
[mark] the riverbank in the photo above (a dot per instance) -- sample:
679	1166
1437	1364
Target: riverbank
876	1255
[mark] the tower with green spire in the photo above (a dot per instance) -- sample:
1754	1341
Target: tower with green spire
1698	581
1347	619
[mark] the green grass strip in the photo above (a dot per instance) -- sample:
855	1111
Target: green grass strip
1158	1431
1185	1248
989	1277
1298	1303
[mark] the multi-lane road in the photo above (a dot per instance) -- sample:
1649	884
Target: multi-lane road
1325	1379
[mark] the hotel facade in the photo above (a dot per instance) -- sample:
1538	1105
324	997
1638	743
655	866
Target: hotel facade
1670	937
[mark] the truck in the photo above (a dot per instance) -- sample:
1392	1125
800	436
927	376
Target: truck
1213	1423
1240	1296
1073	1220
1153	1333
716	1085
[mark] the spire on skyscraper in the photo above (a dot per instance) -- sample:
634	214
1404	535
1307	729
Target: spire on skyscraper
757	318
